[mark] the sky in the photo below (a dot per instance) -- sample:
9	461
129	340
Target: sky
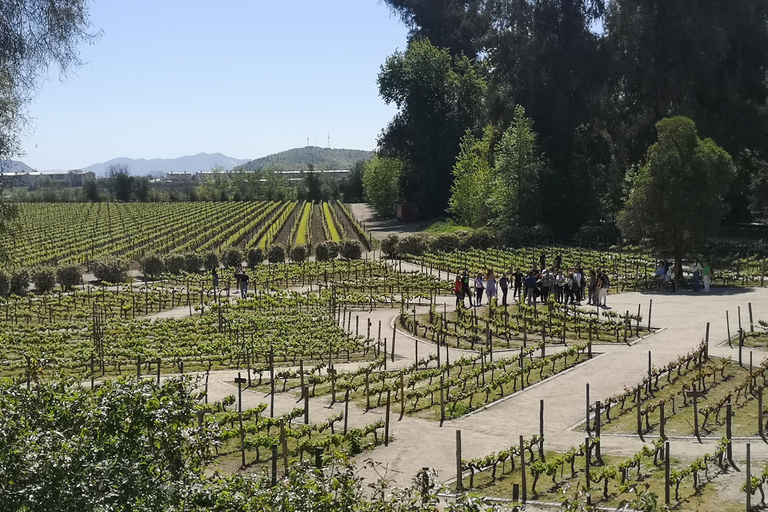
247	78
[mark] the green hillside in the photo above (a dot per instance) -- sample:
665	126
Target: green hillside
320	158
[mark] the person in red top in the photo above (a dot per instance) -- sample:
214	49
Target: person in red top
458	289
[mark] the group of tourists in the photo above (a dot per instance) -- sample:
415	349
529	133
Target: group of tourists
667	274
564	285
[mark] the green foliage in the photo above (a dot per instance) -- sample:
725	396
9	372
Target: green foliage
152	266
415	245
299	253
44	279
439	97
193	262
19	282
211	260
333	249
380	184
389	246
320	158
231	257
255	256
483	238
445	242
124	445
174	263
351	250
514	198
276	254
321	252
69	276
5	283
676	200
473	180
111	270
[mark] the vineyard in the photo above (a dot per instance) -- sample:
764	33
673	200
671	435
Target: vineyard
331	360
61	234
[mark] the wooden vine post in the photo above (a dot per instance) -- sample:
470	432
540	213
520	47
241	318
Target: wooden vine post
638	404
522	469
386	419
667	458
696	395
240	381
459	483
541	430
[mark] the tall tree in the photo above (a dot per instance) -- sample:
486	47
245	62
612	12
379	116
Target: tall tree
121	181
33	35
473	180
704	60
380	183
677	198
515	199
459	25
545	57
438	99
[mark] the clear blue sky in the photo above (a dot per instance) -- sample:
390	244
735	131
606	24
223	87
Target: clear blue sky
246	78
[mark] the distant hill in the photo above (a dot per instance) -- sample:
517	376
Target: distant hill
194	163
321	158
14	166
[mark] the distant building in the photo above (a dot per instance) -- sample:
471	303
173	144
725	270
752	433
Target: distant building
31	179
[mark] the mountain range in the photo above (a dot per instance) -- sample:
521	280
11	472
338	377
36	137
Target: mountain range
297	158
154	166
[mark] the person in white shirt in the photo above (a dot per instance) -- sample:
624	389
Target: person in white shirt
697	268
479	286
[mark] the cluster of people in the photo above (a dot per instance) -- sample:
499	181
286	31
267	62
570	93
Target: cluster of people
667	273
566	286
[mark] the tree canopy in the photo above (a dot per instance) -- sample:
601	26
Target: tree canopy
677	195
594	77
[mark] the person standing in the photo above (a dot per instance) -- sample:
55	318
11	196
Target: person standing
479	286
603	285
530	288
517	293
457	289
559	286
577	281
592	288
697	268
547	284
244	284
706	272
238	275
558	261
543	261
490	286
504	285
215	278
465	291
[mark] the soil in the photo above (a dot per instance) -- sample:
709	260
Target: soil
349	229
318	235
285	233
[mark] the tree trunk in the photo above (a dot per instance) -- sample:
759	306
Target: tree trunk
678	265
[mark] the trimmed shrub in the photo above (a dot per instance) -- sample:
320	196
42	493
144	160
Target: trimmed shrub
174	263
210	260
276	254
445	242
5	283
111	270
70	276
19	282
193	262
599	232
232	257
333	249
415	245
255	256
321	252
520	236
152	266
389	246
481	238
351	250
44	279
299	253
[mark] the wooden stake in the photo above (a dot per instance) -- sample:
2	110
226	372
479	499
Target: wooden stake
459	483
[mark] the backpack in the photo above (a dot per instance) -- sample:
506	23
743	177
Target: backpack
606	282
